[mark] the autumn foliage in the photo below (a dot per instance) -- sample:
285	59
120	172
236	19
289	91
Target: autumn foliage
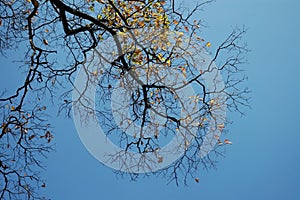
58	38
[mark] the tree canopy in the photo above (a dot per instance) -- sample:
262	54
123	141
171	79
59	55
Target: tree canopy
139	69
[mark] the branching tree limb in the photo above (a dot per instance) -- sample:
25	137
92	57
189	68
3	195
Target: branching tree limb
149	52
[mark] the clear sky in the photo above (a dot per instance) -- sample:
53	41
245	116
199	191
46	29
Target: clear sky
264	161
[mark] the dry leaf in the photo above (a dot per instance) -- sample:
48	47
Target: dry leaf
31	137
53	81
95	73
221	126
160	159
226	141
45	42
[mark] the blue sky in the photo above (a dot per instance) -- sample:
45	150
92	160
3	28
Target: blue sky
264	161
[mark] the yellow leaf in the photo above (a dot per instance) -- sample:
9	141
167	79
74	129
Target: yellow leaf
208	44
95	73
180	34
160	57
142	23
92	8
168	62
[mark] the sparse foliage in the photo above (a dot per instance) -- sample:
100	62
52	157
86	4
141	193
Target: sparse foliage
149	42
